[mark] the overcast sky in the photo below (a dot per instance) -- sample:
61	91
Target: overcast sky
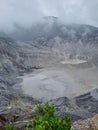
25	12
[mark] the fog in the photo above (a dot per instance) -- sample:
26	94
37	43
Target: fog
25	12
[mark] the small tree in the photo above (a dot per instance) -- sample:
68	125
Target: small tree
45	120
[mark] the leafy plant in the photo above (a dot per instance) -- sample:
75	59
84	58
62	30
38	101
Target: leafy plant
45	120
9	127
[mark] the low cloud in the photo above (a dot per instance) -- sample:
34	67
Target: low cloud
24	12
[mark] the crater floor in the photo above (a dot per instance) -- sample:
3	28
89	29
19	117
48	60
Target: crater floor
59	81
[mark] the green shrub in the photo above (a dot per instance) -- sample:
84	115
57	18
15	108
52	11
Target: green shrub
45	120
9	127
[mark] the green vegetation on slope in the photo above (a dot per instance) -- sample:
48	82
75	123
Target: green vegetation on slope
45	120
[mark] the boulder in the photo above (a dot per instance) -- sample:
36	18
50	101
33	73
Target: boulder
94	123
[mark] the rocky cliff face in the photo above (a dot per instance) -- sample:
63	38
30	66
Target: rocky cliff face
89	124
8	71
12	64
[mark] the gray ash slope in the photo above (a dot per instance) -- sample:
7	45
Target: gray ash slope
50	27
67	40
46	43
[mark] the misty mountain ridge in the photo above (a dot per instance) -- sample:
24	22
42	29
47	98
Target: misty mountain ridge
64	40
50	27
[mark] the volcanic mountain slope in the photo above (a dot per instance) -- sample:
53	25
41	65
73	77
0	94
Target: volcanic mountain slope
65	40
8	69
50	27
